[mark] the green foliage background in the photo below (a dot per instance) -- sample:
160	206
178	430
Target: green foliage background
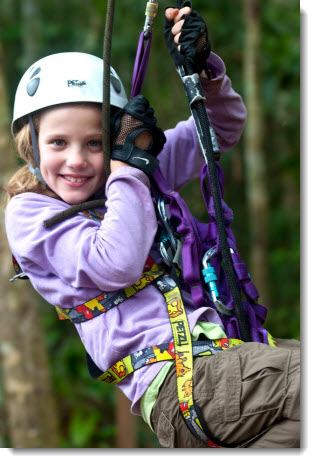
86	408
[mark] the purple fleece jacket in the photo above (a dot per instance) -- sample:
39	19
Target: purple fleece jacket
78	259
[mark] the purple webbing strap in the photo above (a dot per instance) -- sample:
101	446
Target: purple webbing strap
141	64
186	227
178	207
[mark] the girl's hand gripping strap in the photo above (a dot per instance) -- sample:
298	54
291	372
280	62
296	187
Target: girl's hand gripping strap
136	117
194	41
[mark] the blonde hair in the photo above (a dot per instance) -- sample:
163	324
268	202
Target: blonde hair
23	180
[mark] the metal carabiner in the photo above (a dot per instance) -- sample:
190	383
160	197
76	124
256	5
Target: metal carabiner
150	13
210	277
167	238
166	224
164	245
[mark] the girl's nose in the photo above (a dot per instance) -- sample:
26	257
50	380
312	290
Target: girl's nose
76	158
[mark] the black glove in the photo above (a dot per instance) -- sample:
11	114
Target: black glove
194	42
137	116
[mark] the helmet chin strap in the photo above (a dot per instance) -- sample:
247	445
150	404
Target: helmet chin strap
35	171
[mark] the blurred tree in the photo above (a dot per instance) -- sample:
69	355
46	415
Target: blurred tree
30	410
254	155
31	31
126	436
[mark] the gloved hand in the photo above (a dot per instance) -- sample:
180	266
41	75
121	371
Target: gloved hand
136	117
193	40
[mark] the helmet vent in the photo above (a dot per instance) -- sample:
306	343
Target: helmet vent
35	73
32	86
115	83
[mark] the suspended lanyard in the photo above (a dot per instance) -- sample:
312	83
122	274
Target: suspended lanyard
143	51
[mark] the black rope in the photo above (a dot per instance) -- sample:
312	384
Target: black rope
106	85
200	109
73	210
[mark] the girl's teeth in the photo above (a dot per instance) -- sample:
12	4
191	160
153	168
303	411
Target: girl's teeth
73	180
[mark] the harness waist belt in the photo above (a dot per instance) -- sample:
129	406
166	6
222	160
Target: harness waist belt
159	353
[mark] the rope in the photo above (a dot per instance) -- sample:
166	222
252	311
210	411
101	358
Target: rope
73	210
106	85
200	109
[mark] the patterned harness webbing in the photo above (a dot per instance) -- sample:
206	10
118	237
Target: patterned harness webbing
107	300
182	350
159	353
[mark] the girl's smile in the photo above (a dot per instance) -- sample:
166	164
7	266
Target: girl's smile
71	155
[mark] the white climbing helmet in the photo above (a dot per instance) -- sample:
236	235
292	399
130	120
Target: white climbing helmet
64	78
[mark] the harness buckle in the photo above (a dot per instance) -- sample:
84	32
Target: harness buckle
210	277
19	276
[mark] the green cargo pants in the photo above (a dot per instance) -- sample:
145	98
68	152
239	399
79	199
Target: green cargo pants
249	393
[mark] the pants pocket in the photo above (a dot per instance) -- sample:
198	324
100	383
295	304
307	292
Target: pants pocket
264	379
165	431
251	390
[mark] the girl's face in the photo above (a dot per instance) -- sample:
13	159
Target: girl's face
70	147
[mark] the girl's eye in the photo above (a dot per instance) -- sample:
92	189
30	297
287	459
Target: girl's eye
59	142
95	143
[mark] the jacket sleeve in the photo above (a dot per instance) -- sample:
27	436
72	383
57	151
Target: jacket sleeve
79	252
181	158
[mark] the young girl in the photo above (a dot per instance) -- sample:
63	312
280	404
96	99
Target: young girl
248	393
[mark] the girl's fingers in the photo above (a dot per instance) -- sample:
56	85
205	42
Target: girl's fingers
180	13
176	40
174	14
171	13
178	27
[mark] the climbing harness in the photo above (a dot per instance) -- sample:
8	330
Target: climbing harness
182	349
185	245
159	353
108	300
